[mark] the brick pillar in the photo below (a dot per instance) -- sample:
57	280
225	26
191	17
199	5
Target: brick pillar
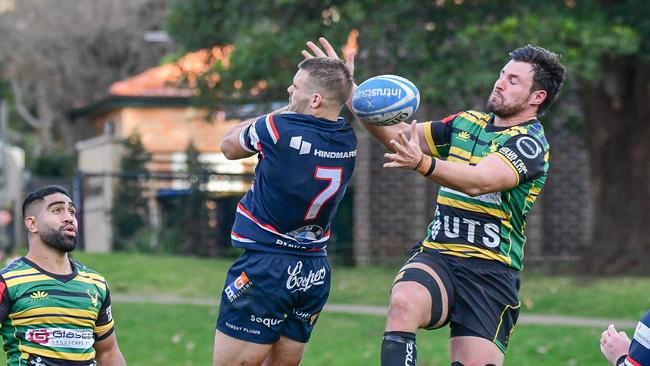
567	194
392	206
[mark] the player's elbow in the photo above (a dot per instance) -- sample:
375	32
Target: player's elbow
229	150
478	187
473	191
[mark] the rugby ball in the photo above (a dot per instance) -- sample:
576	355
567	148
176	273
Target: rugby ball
385	100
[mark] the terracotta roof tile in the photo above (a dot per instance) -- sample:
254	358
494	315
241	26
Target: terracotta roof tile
174	79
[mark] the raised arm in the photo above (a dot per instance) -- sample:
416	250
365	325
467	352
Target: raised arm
383	134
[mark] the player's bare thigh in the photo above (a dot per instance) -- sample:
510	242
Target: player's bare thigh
474	351
229	351
419	301
285	352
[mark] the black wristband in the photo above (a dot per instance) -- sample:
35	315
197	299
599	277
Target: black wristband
621	361
431	168
419	162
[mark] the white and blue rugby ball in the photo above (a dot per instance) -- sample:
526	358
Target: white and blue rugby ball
385	100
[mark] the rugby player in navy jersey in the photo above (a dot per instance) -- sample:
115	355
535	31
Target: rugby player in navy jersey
306	153
491	167
619	350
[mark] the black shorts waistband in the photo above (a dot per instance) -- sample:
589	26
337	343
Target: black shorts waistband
474	262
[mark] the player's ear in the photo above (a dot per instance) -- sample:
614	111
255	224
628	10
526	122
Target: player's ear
538	97
316	100
30	224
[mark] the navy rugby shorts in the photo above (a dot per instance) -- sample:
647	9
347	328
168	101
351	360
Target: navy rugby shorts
268	295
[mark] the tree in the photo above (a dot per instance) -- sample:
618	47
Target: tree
188	228
606	45
130	211
59	54
199	234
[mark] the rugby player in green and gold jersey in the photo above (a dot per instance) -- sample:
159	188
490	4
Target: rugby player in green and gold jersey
491	168
54	311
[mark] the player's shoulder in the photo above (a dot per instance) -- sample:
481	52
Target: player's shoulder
277	125
532	129
646	319
13	267
85	271
290	123
288	120
473	116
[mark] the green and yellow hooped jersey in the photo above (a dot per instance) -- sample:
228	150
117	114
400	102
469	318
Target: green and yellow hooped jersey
489	226
49	319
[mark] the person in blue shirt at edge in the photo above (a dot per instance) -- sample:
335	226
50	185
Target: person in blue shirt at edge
619	350
274	292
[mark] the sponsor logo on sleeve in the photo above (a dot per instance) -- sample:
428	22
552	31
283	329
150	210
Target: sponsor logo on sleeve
513	157
109	313
642	335
528	147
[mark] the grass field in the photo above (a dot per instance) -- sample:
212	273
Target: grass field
152	334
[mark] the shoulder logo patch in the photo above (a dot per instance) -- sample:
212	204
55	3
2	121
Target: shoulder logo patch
528	147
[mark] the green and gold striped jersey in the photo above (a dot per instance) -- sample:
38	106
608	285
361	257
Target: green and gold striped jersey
489	226
50	319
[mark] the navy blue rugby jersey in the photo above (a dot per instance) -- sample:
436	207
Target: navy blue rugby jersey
304	166
639	353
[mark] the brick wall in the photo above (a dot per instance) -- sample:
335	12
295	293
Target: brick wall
392	207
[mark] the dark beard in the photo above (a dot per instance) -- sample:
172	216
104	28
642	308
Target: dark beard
503	111
59	241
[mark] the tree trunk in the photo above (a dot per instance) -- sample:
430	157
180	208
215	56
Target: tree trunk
617	113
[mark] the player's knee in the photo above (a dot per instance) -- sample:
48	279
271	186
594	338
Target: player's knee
418	295
403	305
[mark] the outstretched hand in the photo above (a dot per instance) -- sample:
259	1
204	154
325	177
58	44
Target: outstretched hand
327	51
407	152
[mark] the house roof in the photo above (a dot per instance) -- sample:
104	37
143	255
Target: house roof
174	83
171	84
175	79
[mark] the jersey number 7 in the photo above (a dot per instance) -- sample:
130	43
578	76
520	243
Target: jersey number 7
334	176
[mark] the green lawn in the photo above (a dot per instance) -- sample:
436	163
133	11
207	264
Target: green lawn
127	273
156	335
151	334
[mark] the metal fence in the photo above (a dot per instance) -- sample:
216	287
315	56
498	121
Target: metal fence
179	213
